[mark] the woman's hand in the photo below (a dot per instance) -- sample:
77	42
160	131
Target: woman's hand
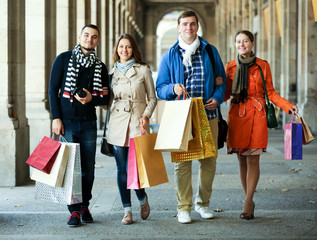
105	90
179	89
218	80
144	123
293	109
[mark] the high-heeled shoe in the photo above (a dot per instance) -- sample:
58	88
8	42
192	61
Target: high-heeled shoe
248	216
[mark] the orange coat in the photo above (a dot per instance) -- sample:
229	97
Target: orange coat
247	122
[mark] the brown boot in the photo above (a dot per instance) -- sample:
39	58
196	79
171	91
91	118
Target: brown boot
127	219
145	209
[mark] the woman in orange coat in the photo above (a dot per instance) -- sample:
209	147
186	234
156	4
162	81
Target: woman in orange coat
247	122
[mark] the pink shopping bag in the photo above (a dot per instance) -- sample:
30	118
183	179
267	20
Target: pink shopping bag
133	177
293	145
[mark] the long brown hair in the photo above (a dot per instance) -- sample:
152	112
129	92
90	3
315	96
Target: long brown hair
136	54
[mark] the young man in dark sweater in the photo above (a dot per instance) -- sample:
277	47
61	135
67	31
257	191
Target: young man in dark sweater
76	86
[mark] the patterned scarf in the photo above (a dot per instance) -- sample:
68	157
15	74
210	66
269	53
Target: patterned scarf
73	70
189	49
241	77
124	67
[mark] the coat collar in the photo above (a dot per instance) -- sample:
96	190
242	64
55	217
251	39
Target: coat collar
130	73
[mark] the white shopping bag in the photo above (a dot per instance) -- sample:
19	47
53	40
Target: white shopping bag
56	177
71	190
175	129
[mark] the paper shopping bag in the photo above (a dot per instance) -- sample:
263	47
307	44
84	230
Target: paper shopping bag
307	135
175	127
71	190
44	155
132	175
293	140
56	177
202	145
151	167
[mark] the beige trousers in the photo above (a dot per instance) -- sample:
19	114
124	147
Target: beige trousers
206	174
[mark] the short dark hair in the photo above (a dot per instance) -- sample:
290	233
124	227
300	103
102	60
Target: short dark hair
91	26
187	14
135	49
245	32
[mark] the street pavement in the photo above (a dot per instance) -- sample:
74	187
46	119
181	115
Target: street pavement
285	204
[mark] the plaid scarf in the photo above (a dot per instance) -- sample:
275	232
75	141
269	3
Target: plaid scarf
73	70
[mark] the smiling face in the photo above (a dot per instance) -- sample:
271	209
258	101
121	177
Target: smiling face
188	28
88	40
244	45
124	50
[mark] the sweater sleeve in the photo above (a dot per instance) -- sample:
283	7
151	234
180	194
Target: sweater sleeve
55	84
164	85
150	92
219	92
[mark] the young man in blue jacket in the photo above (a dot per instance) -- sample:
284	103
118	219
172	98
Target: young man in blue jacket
77	85
187	66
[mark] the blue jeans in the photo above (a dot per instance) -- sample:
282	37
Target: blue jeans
121	156
84	133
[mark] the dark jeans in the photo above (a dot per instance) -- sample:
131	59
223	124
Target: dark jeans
121	156
84	133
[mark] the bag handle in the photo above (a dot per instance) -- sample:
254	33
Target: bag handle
58	138
106	121
292	118
185	95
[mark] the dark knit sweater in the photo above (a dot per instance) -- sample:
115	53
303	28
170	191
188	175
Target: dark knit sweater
62	107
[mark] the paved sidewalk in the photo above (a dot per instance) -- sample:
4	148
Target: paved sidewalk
286	204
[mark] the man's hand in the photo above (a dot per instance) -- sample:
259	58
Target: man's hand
86	99
57	126
105	90
211	104
179	89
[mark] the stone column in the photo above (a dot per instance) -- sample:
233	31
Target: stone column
288	53
307	66
14	129
149	39
62	26
94	13
112	32
36	77
81	16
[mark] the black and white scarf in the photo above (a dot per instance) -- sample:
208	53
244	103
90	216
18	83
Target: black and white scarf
73	70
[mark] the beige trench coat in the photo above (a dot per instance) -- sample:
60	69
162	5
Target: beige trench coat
133	96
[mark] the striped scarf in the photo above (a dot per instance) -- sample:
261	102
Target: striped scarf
73	70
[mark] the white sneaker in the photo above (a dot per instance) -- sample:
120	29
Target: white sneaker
183	217
204	212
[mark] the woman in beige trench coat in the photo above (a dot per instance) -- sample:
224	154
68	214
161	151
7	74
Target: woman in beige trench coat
133	102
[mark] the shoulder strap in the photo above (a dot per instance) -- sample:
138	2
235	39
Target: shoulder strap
108	111
211	55
262	76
